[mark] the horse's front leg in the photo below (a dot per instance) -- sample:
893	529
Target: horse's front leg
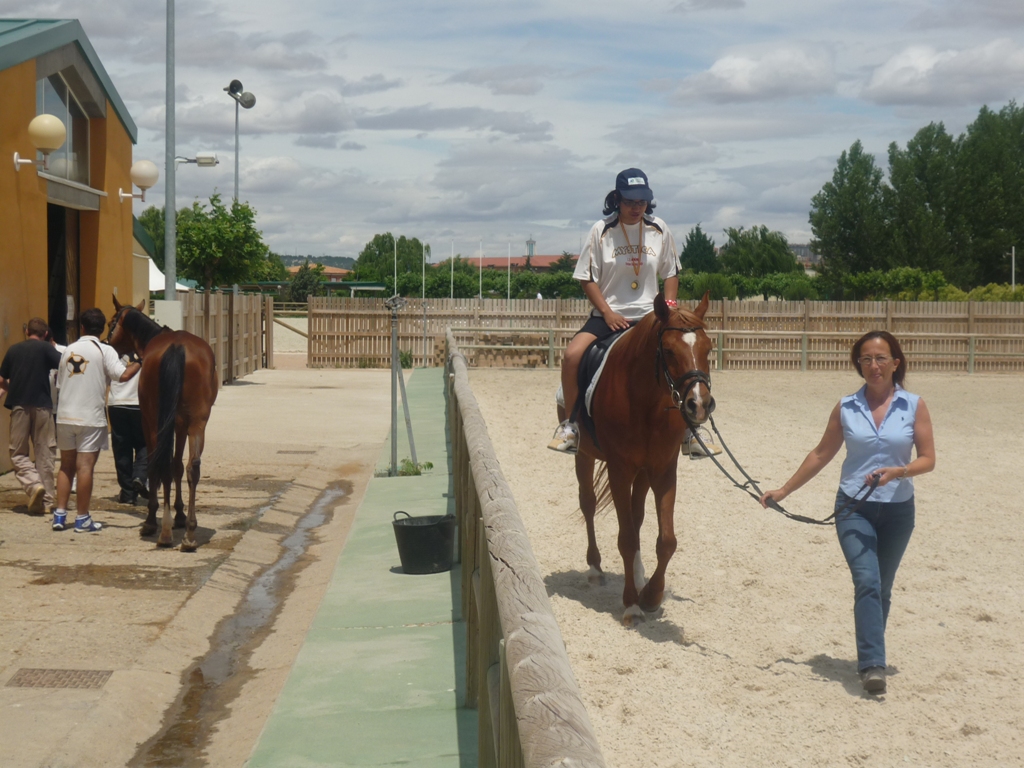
665	500
620	480
195	452
637	503
178	468
588	504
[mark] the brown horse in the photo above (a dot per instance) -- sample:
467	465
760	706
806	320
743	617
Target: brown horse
656	383
177	389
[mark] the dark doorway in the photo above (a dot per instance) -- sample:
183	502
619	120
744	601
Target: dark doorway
63	264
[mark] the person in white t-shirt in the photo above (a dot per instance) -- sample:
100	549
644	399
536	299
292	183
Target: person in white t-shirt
623	257
86	369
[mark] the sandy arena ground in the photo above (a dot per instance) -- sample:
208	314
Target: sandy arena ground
752	662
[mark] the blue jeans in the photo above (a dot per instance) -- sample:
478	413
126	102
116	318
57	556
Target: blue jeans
873	539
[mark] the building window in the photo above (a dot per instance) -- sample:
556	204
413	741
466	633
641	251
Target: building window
71	161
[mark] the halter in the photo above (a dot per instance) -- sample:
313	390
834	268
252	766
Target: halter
684	382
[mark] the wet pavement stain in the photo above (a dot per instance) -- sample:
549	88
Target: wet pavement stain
210	685
121	576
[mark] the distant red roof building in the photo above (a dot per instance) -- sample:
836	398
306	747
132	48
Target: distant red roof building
331	274
537	263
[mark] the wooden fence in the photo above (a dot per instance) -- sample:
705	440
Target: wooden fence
233	327
517	670
757	335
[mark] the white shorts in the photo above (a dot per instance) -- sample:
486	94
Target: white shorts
75	437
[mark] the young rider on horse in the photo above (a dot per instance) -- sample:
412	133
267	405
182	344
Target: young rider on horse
624	255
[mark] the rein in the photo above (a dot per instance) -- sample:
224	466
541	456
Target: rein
857	501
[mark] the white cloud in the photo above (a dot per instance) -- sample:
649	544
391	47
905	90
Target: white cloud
925	75
691	6
780	73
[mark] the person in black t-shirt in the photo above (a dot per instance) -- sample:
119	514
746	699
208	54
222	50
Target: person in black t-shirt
25	377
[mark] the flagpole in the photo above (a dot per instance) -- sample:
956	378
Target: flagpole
395	241
508	296
451	263
480	264
423	279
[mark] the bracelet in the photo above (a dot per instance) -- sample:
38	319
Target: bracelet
671	302
905	470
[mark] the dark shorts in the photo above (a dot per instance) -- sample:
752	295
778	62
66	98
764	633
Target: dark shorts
596	326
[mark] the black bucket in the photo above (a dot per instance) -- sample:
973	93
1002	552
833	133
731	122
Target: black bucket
425	544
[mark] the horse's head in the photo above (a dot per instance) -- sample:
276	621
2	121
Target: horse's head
119	337
684	350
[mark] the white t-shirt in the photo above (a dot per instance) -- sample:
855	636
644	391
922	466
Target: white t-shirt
626	273
126	394
86	367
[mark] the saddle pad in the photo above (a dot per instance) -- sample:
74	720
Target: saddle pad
597	355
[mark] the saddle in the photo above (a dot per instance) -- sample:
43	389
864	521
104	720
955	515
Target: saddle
588	376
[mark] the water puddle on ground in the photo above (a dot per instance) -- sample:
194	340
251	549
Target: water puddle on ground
211	684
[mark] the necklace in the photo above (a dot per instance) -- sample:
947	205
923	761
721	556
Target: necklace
635	261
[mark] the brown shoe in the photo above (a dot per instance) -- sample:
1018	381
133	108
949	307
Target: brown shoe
873	679
35	500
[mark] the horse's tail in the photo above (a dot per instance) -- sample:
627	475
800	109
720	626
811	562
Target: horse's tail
172	377
602	488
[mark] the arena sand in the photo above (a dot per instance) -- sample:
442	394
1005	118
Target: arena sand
752	662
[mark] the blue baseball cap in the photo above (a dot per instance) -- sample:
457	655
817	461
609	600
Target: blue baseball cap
632	185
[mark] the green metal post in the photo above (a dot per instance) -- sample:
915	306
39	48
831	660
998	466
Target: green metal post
803	352
551	347
970	353
721	351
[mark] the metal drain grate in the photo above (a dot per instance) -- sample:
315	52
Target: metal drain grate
60	678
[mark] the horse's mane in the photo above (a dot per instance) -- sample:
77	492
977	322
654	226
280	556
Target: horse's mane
140	326
647	329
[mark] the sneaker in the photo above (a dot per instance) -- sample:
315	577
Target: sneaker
86	525
60	521
35	500
566	438
691	447
873	679
140	487
126	498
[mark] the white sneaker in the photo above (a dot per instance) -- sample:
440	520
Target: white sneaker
566	438
692	448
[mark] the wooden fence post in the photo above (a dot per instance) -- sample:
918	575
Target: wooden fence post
268	325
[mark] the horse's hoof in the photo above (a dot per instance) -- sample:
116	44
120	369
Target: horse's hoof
651	603
165	541
147	530
596	577
633	617
189	546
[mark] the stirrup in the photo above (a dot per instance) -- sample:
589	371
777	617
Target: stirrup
566	438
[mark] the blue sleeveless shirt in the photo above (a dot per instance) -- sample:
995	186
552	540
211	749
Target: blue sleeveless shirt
868	448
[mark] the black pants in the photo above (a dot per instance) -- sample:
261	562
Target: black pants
129	446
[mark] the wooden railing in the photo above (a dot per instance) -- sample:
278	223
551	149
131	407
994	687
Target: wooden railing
349	333
531	714
232	324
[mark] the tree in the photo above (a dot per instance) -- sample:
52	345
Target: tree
698	253
848	216
216	245
565	263
152	220
756	252
927	230
308	281
376	261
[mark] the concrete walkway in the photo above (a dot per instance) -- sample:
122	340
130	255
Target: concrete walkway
380	677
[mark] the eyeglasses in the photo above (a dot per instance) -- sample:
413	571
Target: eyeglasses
633	204
879	359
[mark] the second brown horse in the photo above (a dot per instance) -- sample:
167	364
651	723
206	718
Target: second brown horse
177	388
656	382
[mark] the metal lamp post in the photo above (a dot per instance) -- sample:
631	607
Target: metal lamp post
246	100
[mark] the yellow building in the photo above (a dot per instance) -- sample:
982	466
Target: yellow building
66	237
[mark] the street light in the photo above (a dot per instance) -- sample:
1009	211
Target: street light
247	100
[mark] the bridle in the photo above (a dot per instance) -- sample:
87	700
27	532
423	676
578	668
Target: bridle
679	386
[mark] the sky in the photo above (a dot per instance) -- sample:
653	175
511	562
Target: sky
476	124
